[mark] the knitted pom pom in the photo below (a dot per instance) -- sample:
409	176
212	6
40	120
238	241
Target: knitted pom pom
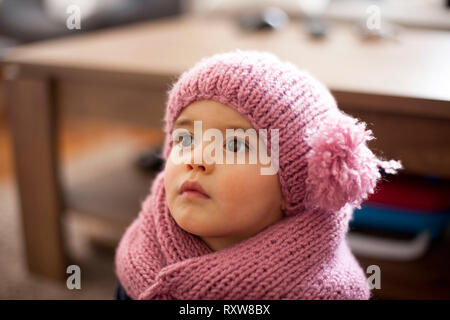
341	168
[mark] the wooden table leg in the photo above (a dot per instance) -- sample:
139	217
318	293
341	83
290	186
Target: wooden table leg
33	124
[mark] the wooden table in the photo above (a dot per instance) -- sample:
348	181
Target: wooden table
401	88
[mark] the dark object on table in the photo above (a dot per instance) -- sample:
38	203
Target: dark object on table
317	27
31	20
269	18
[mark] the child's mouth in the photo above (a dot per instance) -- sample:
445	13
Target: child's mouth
193	190
192	194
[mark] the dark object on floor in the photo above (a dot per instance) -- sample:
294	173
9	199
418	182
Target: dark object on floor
151	162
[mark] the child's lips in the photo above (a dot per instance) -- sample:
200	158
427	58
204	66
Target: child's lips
192	189
193	194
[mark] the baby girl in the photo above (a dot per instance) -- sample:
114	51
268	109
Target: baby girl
216	227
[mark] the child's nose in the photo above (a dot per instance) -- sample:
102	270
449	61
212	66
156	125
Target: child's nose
200	167
198	161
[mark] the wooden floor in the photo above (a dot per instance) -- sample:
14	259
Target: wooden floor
5	150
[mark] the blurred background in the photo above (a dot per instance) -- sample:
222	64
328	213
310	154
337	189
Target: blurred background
83	91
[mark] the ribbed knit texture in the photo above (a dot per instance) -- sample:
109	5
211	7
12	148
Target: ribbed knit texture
325	170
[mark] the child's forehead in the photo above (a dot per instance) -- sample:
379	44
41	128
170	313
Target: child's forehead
212	114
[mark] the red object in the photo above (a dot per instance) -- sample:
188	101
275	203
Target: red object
430	195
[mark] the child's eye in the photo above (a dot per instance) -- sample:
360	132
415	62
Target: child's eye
236	145
184	138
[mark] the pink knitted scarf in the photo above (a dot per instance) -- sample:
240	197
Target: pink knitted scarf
304	256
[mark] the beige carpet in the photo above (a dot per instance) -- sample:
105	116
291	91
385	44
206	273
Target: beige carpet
97	269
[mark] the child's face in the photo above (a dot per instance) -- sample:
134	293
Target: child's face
240	200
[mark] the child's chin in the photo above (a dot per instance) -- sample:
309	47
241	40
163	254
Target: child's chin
189	221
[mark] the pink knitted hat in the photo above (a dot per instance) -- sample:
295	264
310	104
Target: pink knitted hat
324	160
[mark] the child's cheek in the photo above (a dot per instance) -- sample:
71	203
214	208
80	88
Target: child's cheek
238	182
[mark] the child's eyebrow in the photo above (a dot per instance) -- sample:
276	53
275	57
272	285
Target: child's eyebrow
187	122
183	122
